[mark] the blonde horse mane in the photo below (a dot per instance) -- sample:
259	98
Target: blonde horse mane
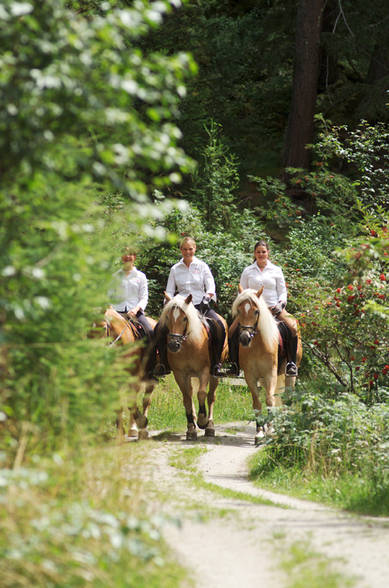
267	325
195	325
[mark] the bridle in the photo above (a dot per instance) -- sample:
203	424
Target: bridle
178	338
251	330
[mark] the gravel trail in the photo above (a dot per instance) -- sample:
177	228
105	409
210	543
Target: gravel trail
229	542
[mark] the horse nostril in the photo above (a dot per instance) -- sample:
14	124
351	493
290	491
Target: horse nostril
245	339
174	346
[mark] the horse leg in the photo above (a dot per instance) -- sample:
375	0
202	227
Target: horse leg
202	419
119	425
210	428
280	389
270	383
251	381
142	420
134	413
185	385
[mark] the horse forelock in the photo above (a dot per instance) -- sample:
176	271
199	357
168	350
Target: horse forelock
267	325
195	327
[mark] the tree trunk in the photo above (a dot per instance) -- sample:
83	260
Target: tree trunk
306	72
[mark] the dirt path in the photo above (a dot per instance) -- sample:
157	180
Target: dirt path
230	542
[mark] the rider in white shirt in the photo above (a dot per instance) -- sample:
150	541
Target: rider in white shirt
265	273
129	291
193	276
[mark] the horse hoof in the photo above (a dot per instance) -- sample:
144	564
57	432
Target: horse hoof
133	433
191	435
258	439
209	432
143	434
142	422
202	421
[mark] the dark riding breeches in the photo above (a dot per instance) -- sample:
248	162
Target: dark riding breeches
217	335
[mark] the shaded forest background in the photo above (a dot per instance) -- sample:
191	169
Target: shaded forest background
134	123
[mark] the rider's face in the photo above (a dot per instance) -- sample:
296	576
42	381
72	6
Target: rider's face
261	254
128	260
188	249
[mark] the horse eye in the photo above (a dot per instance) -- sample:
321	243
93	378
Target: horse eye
256	312
185	319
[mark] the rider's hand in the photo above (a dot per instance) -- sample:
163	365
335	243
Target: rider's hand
277	309
204	304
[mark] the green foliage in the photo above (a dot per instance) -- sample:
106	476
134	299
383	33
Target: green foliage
86	125
331	438
216	181
86	77
52	533
366	153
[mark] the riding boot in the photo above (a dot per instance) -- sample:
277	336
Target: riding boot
291	352
157	346
162	368
233	352
218	335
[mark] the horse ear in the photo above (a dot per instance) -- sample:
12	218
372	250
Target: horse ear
188	299
240	288
167	297
259	292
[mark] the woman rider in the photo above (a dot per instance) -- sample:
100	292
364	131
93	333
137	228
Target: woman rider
129	291
265	273
193	276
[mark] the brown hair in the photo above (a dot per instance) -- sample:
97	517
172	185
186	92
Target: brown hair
186	240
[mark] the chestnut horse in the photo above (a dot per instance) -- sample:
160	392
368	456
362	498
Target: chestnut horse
259	354
188	356
124	333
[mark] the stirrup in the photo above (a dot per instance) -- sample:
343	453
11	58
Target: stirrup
216	370
233	370
291	369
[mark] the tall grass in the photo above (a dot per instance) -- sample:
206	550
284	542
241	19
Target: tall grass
335	451
233	403
82	518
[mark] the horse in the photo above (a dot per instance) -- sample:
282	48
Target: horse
125	333
189	357
261	354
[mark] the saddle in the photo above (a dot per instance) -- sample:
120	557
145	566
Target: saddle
283	337
136	328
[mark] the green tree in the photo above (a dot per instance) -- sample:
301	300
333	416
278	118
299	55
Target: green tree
85	119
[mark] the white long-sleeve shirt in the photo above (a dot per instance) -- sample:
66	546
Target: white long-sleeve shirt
196	279
129	291
271	278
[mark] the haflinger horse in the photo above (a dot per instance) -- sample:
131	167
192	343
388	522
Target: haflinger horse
261	354
124	332
189	357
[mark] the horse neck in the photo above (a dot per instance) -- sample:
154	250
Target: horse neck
120	328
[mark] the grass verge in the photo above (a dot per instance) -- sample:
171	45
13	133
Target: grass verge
186	460
306	568
351	492
82	518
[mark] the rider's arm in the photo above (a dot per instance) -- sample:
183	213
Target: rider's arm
209	283
281	287
171	284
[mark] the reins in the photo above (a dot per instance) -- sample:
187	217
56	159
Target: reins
251	331
108	331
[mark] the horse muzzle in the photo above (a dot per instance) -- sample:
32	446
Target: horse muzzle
174	346
246	335
174	342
